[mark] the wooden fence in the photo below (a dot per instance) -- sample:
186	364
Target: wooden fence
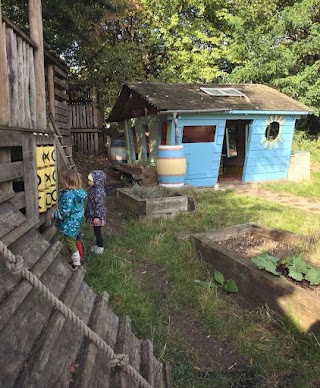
18	63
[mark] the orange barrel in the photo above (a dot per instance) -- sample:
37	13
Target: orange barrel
42	201
41	179
52	155
39	157
171	165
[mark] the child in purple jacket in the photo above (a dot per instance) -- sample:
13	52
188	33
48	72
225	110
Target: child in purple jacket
96	212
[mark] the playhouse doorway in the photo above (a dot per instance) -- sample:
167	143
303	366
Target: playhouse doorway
234	149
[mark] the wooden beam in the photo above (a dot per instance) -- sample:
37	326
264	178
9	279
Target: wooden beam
30	175
50	85
9	171
4	104
36	34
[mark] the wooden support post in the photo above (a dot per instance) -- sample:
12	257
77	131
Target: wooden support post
50	83
36	34
125	125
96	142
4	104
30	175
5	157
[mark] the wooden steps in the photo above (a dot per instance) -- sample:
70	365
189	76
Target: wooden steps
40	348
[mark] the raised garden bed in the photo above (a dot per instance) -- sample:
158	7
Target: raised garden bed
168	205
257	286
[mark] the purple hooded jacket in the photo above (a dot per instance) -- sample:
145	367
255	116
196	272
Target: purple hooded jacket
96	205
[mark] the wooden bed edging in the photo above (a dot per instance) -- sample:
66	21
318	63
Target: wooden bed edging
154	207
259	287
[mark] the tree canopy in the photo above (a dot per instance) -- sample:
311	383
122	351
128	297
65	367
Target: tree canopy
274	42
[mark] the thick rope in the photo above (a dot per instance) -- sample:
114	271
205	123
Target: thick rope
16	265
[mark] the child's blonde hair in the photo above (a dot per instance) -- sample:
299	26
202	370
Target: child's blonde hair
70	179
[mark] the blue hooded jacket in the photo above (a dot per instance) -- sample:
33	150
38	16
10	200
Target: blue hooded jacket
70	213
96	205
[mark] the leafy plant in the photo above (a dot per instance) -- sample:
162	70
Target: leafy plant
298	269
228	285
268	263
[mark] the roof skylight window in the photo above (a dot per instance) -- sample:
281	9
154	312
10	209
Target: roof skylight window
222	92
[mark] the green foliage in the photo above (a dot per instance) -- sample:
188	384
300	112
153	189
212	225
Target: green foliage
228	285
150	192
298	269
268	263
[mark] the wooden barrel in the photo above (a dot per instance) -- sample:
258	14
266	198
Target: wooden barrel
118	152
171	165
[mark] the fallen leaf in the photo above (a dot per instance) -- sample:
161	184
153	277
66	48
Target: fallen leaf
74	368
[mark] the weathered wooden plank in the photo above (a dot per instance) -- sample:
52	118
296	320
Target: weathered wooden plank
65	112
6	196
61	94
10	138
10	218
58	70
11	171
10	304
60	345
36	34
4	96
30	175
19	32
93	370
13	76
33	90
50	86
147	363
159	375
16	345
38	362
60	82
21	115
166	205
127	343
19	200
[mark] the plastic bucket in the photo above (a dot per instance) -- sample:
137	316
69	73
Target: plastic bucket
118	152
171	165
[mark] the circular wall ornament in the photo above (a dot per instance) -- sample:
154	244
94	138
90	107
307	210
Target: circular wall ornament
273	132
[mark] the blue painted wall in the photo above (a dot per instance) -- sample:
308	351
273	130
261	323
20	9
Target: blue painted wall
203	159
263	163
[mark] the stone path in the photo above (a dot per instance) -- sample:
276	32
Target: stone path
257	190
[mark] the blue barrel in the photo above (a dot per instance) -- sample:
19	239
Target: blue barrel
171	165
118	151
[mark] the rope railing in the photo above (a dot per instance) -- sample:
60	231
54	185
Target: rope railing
16	265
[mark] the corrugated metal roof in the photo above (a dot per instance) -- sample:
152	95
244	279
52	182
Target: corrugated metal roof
139	98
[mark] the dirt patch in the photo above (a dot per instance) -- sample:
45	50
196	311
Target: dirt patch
210	355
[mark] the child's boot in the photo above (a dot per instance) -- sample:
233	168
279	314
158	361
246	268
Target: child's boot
98	250
76	260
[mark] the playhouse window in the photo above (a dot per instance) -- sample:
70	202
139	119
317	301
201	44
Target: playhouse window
199	134
272	131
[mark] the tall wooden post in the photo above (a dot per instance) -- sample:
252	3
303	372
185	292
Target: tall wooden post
36	34
4	105
50	83
30	175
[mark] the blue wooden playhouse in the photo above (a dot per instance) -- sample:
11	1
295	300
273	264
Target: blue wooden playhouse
228	131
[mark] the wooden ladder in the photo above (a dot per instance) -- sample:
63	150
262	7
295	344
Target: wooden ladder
62	148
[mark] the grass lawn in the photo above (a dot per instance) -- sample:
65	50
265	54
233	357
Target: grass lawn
273	351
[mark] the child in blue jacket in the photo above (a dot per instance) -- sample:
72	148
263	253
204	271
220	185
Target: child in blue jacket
69	216
96	207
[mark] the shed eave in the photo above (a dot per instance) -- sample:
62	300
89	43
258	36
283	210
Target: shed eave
270	112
